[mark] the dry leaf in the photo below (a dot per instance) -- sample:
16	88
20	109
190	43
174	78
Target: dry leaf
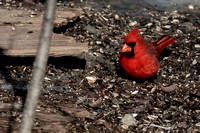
169	88
97	102
74	110
105	123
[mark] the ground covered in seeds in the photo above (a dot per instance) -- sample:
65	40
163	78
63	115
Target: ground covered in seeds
93	94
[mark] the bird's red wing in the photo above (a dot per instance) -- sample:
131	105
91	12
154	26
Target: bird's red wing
151	65
164	41
142	67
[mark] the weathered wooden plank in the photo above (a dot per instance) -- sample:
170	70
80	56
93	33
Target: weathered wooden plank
19	34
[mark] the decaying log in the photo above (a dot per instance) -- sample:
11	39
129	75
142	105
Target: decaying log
20	30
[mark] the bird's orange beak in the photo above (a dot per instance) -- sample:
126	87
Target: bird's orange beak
126	48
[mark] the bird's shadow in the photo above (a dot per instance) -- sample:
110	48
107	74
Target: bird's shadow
165	53
121	73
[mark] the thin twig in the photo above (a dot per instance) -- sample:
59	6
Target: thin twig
166	128
39	68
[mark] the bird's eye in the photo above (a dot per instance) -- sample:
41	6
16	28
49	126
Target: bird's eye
132	44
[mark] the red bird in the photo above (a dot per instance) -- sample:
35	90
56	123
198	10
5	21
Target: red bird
138	57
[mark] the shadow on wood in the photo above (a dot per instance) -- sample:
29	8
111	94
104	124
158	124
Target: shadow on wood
68	62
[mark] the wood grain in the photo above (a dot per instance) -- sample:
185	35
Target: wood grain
20	31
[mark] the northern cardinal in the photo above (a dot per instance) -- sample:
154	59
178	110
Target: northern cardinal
138	57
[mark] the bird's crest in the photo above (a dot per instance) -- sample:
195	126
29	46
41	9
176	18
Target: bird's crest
132	36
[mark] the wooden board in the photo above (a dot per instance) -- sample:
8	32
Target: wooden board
20	31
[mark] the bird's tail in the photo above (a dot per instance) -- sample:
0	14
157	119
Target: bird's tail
163	42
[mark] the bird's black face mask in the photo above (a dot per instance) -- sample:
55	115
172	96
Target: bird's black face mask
130	53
